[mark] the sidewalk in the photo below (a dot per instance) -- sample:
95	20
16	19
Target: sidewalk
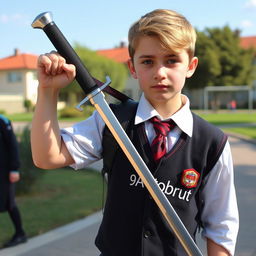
74	239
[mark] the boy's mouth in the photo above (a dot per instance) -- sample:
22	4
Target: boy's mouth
160	86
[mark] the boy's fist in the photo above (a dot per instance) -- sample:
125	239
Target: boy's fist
54	72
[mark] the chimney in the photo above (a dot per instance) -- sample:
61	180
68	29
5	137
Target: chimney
122	44
16	52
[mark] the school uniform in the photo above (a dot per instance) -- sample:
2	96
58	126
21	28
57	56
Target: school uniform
9	161
195	183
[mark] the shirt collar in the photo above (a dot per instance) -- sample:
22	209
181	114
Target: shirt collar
183	117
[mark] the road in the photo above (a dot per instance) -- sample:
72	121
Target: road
244	157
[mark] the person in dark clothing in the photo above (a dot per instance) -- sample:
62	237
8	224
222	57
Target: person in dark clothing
9	175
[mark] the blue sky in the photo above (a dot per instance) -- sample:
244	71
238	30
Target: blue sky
103	24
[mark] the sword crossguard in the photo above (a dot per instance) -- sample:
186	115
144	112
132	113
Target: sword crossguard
93	93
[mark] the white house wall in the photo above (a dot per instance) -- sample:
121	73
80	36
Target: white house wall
11	104
31	86
12	94
10	88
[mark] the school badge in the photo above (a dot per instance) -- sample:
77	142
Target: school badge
190	178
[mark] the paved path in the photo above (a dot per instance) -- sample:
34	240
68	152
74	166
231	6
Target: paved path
244	156
78	238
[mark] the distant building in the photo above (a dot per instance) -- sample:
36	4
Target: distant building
248	42
18	81
18	77
121	55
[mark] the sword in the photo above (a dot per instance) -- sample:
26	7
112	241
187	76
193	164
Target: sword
95	95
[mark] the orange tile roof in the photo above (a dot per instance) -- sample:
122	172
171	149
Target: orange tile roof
248	41
19	61
120	54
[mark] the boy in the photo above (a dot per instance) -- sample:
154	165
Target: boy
193	168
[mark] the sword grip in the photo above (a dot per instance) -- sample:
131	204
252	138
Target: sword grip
61	44
83	77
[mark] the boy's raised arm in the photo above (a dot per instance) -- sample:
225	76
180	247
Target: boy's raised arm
48	149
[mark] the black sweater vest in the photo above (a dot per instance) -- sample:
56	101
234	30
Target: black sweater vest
132	224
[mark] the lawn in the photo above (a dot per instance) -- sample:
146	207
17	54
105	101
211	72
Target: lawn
216	118
221	117
249	132
27	117
61	196
229	117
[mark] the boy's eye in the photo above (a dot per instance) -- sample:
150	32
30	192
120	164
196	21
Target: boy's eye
147	62
171	61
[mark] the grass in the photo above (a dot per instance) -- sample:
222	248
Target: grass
249	132
228	117
27	117
60	197
237	117
20	117
216	118
221	117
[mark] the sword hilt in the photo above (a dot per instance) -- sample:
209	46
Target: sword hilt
45	22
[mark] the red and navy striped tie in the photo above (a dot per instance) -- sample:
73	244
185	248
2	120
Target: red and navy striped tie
162	128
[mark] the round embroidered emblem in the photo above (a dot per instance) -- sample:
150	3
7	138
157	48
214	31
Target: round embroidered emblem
190	178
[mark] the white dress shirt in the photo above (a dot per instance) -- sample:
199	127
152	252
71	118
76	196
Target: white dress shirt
220	212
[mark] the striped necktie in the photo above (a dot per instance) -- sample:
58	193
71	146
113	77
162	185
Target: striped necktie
162	128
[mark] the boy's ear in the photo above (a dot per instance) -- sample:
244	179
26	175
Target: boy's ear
192	66
132	69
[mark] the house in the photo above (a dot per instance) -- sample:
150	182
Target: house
248	42
18	81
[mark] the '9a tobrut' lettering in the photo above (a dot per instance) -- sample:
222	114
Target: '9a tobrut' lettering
168	189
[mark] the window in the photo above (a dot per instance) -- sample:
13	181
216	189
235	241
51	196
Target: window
35	76
14	77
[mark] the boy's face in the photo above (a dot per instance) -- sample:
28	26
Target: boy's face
160	73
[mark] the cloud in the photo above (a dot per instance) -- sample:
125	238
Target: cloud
247	24
14	18
250	4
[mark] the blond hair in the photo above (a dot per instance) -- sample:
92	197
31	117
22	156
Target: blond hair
171	28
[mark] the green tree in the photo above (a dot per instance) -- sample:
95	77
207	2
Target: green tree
222	61
99	67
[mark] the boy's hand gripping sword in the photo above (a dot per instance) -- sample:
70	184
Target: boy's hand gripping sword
96	97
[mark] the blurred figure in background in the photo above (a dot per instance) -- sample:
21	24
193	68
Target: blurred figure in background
9	175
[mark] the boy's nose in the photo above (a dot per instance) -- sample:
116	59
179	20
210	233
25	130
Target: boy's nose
160	73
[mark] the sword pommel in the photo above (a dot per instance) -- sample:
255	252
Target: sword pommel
46	23
42	20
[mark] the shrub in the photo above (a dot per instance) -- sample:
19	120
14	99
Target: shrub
28	171
28	105
71	112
